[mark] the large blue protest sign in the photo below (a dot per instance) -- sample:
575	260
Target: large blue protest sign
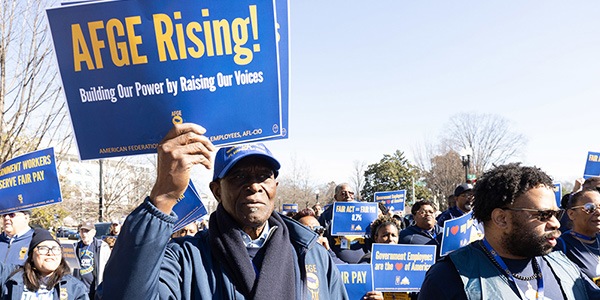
132	69
558	193
393	200
283	25
459	232
289	207
29	181
189	208
400	267
352	218
357	279
592	165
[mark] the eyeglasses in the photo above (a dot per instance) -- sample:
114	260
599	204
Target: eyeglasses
318	229
347	193
45	250
588	208
425	212
541	215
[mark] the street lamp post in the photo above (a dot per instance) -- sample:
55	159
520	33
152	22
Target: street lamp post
465	157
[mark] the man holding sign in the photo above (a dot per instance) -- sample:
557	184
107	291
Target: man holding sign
518	210
248	252
348	248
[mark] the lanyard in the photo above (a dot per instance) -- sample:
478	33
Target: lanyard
432	234
508	274
82	251
581	236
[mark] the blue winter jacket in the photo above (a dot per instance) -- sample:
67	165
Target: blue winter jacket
68	288
143	265
15	252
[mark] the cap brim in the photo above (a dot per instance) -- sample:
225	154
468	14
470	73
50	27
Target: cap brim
274	164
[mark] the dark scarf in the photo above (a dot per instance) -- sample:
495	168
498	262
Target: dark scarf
276	279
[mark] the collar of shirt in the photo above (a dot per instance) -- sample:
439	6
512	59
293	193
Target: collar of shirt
19	234
261	240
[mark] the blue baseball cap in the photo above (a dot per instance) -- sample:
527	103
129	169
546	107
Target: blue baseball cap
227	158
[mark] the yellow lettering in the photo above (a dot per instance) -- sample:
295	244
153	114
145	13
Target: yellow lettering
81	53
118	50
163	30
134	40
38	175
96	43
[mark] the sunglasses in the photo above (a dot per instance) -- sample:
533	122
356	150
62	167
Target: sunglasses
541	215
318	229
11	215
588	208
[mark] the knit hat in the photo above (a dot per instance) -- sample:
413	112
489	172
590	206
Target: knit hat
40	235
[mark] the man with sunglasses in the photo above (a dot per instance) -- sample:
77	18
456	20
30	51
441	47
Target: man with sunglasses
349	249
581	244
248	252
517	207
15	238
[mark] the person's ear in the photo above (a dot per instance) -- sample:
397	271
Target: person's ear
571	214
215	188
500	218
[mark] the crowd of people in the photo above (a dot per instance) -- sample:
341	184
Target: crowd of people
250	251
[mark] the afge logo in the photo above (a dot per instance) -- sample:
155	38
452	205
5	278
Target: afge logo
177	118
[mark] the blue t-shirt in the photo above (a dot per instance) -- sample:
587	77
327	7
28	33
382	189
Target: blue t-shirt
87	254
586	256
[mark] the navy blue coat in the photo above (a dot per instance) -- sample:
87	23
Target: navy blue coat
144	265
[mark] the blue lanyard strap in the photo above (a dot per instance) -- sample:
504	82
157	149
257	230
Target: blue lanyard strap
430	233
582	236
500	263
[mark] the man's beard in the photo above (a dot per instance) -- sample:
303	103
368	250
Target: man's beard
526	243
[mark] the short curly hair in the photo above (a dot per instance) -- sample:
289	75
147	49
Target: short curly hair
500	186
382	221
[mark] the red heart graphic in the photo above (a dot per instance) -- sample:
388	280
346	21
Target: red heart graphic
399	266
454	229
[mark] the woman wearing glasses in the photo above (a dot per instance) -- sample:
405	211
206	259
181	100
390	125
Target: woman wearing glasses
581	244
45	274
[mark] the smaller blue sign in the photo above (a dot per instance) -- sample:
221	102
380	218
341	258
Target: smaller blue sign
289	207
357	279
592	165
558	193
29	181
400	268
189	208
459	232
352	218
393	200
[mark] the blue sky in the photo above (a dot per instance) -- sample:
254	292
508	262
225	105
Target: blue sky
370	78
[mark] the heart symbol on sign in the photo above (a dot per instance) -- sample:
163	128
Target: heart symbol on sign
399	266
454	229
